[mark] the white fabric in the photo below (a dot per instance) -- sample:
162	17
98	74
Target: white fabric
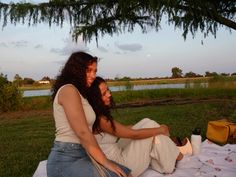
213	161
64	132
41	170
137	155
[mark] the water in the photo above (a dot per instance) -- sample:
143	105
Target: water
30	93
144	87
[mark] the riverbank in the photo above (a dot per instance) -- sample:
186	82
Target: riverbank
146	82
132	82
159	81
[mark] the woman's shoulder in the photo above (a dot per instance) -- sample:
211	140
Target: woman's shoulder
68	89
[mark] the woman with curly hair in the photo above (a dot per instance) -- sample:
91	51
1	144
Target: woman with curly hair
145	144
75	152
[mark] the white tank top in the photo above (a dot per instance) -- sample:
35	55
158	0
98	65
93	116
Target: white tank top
64	132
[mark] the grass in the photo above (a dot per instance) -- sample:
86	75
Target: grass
24	141
159	81
200	93
44	102
37	103
181	119
173	80
35	87
26	137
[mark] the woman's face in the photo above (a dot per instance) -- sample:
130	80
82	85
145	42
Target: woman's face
106	94
91	73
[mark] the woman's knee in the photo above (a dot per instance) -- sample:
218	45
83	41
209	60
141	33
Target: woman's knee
149	123
146	123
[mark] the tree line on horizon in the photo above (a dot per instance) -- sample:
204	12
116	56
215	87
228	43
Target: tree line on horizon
176	73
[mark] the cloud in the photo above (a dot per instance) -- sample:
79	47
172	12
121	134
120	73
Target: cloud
60	62
55	50
102	49
70	47
118	53
3	44
148	55
19	44
16	44
129	47
39	46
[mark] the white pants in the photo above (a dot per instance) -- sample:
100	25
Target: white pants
160	153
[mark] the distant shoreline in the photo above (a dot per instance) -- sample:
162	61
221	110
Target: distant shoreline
138	82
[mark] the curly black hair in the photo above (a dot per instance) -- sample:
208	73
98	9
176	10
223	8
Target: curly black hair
100	109
74	72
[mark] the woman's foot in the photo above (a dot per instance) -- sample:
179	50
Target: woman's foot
186	147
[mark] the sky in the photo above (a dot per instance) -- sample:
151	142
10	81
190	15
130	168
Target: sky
38	51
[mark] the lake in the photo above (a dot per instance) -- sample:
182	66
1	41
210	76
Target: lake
30	93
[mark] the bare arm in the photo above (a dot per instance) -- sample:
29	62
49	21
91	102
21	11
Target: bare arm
70	99
123	131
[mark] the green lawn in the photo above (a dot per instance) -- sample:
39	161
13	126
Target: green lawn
24	141
26	137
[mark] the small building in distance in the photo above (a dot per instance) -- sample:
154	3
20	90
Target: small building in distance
44	82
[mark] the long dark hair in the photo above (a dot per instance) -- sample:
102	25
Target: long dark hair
74	72
100	109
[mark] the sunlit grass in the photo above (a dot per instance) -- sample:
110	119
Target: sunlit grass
27	139
159	81
181	119
200	93
45	102
26	136
36	87
24	141
37	103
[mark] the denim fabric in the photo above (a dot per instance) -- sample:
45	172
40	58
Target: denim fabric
71	160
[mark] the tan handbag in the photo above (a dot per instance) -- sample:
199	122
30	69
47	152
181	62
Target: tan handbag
221	131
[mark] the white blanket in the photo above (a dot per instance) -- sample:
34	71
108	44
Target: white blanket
213	161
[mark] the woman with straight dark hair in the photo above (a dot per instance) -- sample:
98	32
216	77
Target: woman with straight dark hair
145	144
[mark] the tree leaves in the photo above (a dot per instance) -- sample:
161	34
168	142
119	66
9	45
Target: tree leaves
94	18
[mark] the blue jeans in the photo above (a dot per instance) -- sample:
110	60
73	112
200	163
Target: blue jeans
71	160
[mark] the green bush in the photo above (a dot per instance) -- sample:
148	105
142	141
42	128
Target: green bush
3	80
10	96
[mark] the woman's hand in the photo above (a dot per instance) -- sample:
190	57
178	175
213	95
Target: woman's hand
165	129
115	168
